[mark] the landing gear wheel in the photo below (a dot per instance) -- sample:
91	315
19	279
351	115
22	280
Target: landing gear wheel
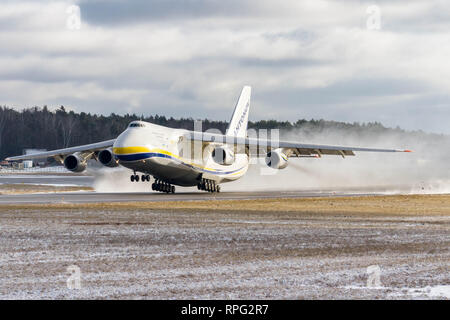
208	185
132	178
161	186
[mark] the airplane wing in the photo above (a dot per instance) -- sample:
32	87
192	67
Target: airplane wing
292	149
60	153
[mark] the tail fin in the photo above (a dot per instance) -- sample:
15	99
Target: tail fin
239	120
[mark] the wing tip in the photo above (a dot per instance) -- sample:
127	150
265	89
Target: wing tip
408	151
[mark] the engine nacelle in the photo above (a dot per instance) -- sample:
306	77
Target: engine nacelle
222	155
276	159
75	163
107	159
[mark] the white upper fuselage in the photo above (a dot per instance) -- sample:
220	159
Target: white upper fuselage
165	154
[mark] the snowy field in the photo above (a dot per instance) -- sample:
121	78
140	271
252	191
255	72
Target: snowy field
44	182
197	254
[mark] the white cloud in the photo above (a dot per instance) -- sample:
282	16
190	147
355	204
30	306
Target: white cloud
303	58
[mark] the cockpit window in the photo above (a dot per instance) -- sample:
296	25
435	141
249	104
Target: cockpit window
136	124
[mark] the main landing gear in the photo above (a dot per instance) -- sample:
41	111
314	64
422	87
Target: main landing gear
158	185
208	185
162	186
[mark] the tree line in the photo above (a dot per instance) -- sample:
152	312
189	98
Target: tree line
40	128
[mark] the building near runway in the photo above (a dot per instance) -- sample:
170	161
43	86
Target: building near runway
36	162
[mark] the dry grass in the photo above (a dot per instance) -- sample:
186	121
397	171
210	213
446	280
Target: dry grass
408	205
313	248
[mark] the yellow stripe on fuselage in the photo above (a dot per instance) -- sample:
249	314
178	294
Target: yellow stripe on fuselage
130	150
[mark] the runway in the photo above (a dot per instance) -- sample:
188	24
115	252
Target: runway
94	197
139	193
182	194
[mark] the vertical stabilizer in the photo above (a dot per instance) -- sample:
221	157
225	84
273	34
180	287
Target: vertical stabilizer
239	120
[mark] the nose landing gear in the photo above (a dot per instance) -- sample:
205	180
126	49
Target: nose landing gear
208	185
162	186
143	178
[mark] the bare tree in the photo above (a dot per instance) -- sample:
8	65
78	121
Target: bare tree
67	124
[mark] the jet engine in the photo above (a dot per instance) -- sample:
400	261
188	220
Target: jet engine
222	155
75	162
107	159
276	159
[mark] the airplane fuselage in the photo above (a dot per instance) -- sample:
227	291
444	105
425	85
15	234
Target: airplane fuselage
164	153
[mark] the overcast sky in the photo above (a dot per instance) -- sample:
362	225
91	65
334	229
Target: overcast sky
190	58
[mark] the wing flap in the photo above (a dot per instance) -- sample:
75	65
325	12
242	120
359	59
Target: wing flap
295	148
301	152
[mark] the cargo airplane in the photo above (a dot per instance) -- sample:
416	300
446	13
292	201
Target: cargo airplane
191	158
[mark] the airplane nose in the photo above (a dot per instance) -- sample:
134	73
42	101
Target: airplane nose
128	138
128	147
122	141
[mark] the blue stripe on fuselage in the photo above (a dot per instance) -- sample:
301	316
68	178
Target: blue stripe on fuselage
143	156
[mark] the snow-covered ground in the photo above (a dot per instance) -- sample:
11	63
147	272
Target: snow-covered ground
46	180
139	253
